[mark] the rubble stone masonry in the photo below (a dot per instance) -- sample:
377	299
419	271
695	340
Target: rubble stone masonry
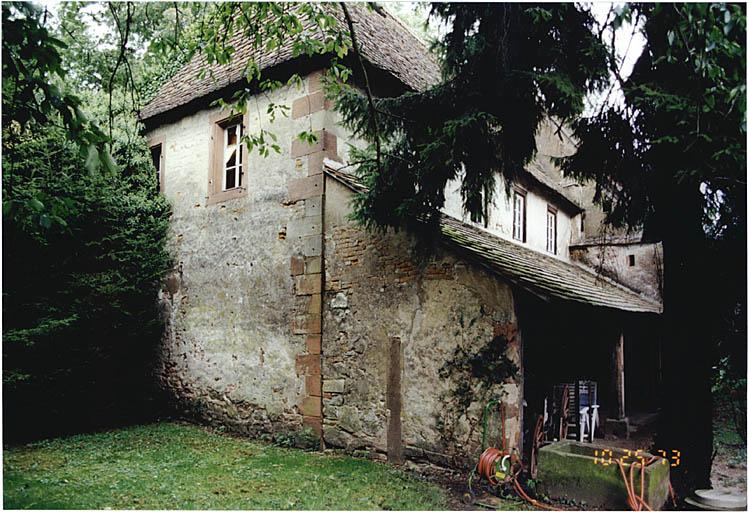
378	290
282	314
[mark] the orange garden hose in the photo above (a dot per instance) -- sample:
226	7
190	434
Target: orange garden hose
487	463
486	468
636	501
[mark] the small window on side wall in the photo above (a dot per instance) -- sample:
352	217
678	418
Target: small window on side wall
551	231
519	200
228	155
232	157
157	157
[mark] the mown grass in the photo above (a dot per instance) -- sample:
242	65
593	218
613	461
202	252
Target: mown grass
175	466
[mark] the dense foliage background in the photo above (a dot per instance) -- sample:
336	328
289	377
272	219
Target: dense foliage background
83	255
83	248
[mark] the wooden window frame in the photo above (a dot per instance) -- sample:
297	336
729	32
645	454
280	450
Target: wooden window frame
551	212
218	122
523	226
161	176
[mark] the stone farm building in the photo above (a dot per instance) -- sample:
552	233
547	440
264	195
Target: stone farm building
282	313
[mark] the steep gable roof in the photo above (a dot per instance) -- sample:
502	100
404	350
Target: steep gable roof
385	43
538	273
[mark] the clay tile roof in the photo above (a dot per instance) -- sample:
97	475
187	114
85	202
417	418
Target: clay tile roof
538	273
385	43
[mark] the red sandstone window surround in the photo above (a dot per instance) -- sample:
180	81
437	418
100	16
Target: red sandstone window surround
228	156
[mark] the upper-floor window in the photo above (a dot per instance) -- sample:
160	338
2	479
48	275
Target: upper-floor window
157	157
519	215
232	156
551	231
228	158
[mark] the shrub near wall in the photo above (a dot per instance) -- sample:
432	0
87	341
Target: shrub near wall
83	256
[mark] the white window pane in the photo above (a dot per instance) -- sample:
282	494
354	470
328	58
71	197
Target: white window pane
231	161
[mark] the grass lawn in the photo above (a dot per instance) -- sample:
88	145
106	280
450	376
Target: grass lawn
175	466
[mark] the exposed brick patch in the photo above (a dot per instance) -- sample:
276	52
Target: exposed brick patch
439	271
507	329
351	246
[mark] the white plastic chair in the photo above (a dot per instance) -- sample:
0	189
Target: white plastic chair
588	419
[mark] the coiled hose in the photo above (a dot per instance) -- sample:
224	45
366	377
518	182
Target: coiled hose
510	467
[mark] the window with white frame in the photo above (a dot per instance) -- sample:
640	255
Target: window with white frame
519	216
551	231
232	156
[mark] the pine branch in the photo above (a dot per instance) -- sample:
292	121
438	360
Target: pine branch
369	97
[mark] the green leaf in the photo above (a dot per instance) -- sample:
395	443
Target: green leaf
108	161
92	159
36	205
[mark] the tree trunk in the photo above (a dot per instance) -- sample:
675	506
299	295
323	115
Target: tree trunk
688	347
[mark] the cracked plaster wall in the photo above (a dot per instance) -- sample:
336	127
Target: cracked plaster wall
228	354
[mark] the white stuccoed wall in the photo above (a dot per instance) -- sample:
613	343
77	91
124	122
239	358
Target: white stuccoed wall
501	216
